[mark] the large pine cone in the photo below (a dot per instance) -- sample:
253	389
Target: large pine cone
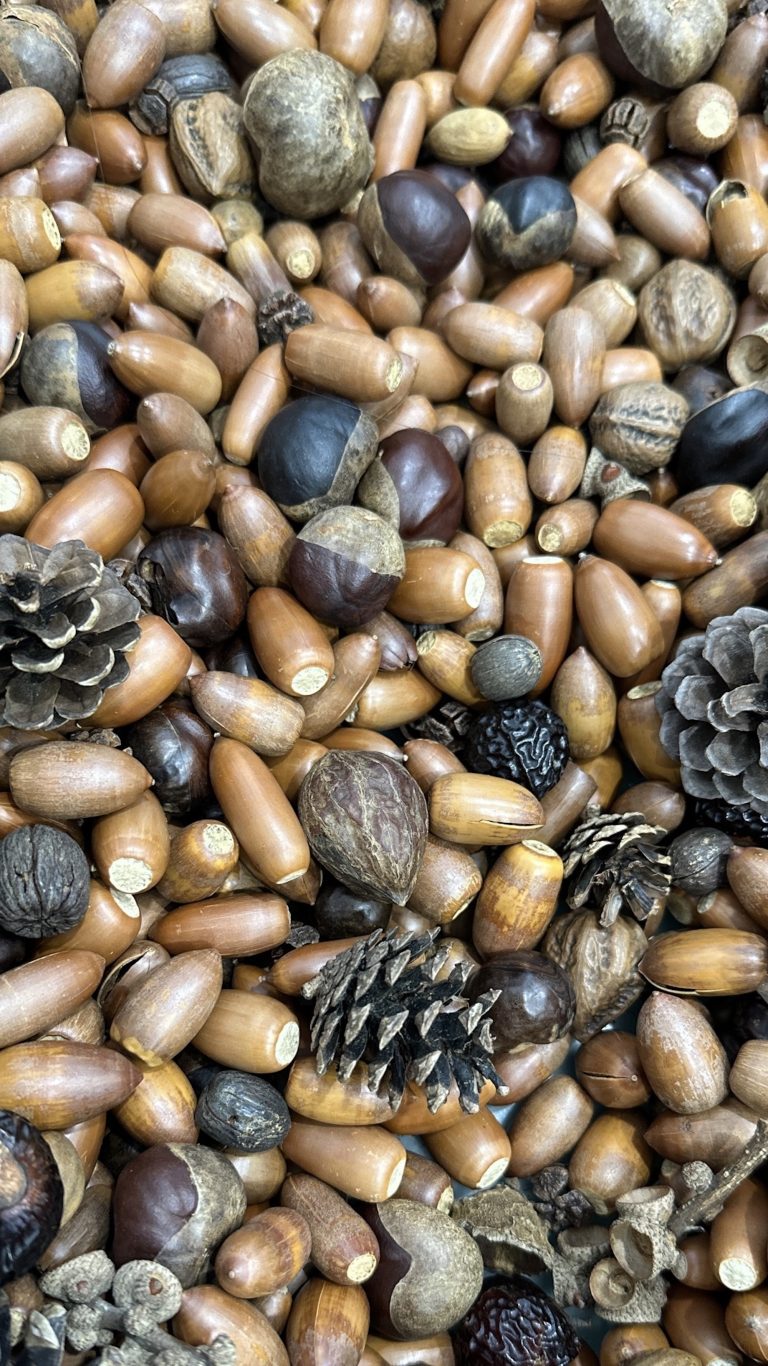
714	711
65	624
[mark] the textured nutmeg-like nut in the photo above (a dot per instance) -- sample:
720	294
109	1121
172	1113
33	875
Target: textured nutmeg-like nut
686	314
639	424
302	112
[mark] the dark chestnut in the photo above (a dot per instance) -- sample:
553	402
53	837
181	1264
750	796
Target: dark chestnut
174	1204
313	453
725	440
414	228
31	1196
700	385
415	485
371	100
66	366
340	913
233	657
173	743
195	583
694	178
452	177
659	46
429	1272
345	565
533	149
537	1002
527	223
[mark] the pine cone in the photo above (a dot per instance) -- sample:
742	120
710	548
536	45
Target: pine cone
65	624
380	1003
614	862
280	315
448	723
714	712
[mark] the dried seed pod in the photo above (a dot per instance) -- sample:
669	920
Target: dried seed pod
183	77
304	117
686	314
430	1269
577	941
209	149
639	425
366	821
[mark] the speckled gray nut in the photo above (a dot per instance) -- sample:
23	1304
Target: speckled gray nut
505	667
303	115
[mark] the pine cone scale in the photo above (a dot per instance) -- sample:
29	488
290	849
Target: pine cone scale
615	862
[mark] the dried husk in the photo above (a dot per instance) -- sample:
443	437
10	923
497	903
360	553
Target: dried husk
602	963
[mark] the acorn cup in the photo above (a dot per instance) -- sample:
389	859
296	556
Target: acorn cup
356	658
498	503
324	1314
248	710
262	819
518	899
131	847
62	780
364	1163
475	1150
108	928
248	1032
327	1099
162	1013
55	1084
201	858
41	993
208	1313
161	1109
268	1252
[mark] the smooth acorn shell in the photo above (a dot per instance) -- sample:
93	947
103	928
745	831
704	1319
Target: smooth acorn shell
54	1084
208	1312
706	962
165	1011
681	1055
41	993
73	781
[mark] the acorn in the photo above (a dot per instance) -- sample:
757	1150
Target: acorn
313	453
547	1125
342	801
414	228
55	1083
208	1313
527	223
682	1057
66	365
173	1204
268	1252
163	1012
304	118
430	1270
345	564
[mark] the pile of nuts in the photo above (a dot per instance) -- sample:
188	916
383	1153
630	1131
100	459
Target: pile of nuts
383	682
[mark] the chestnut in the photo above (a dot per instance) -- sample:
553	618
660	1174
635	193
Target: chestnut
37	48
694	178
659	46
340	913
527	223
536	1002
415	484
66	366
174	1204
414	228
195	583
429	1273
345	565
173	743
313	453
533	149
31	1196
728	434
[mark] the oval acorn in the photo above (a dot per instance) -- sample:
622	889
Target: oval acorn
366	821
313	454
527	223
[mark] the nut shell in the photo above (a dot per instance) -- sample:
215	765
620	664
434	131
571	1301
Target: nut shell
345	564
430	1270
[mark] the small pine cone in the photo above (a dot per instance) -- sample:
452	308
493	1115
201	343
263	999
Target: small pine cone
66	622
280	315
448	724
714	713
614	863
380	1003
